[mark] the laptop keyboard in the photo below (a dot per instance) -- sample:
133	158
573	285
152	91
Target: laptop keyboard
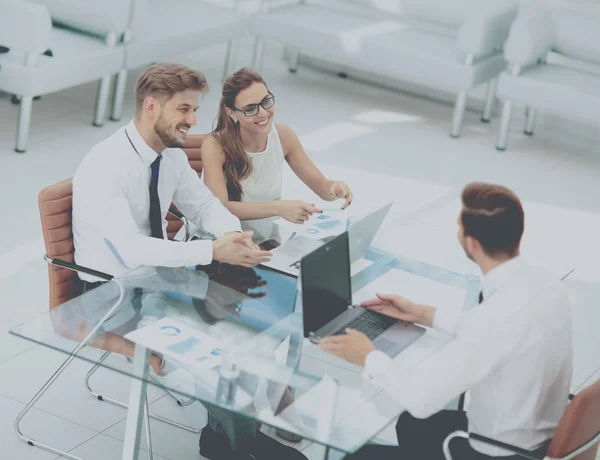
369	323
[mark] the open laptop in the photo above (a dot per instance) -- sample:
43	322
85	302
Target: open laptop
327	302
286	258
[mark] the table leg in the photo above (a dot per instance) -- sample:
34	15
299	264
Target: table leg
137	403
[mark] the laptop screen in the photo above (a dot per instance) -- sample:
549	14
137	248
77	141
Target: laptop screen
326	289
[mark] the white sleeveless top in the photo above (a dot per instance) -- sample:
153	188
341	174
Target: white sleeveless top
264	184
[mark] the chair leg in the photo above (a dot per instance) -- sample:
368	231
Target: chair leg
119	95
258	54
293	60
459	112
147	426
100	397
102	100
31	403
24	123
531	118
490	98
504	126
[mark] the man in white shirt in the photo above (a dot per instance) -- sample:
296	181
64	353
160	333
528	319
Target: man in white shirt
122	191
512	354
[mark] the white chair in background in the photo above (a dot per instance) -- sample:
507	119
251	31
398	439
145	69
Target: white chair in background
163	30
547	51
437	43
84	43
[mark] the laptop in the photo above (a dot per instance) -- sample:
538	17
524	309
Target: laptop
286	258
327	302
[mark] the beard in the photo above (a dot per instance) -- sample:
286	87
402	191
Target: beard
168	135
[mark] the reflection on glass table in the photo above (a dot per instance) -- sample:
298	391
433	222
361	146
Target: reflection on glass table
233	338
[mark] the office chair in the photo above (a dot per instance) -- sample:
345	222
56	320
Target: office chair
55	205
576	438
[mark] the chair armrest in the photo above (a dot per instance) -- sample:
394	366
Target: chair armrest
25	26
78	268
531	37
98	17
486	27
186	223
492	442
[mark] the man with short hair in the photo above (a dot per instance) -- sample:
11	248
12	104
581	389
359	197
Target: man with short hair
512	353
122	191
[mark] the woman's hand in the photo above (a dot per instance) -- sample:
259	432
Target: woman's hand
341	190
296	212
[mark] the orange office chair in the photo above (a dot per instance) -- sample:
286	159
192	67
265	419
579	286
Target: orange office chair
576	438
55	204
192	150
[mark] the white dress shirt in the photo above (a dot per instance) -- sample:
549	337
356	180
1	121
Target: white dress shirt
513	353
111	201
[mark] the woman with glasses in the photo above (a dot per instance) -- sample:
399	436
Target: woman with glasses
243	158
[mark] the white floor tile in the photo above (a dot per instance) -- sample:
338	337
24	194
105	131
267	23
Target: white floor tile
25	374
10	345
167	440
102	447
42	427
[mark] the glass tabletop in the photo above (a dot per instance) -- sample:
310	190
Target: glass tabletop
217	324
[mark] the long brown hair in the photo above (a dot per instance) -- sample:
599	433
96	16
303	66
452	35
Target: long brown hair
237	164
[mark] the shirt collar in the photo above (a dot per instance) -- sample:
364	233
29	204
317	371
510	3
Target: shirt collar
496	277
146	153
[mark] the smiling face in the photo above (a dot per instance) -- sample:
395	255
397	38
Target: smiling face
175	117
250	98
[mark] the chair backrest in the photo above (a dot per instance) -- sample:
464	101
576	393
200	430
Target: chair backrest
192	150
577	35
55	203
24	26
578	425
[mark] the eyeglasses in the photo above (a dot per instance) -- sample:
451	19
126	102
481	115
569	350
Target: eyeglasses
253	109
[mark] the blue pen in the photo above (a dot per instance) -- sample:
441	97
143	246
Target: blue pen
291	236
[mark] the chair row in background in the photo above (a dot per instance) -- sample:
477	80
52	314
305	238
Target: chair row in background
58	44
546	59
531	59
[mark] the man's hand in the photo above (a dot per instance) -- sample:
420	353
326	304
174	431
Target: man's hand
400	308
296	212
354	346
246	241
341	190
234	248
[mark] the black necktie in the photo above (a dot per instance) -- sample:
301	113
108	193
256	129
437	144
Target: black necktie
155	214
481	297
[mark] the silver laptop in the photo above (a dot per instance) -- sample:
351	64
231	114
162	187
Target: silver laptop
327	302
286	258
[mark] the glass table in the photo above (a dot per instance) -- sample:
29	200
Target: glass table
232	338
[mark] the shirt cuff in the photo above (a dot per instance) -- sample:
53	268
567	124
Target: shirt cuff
446	319
203	251
376	363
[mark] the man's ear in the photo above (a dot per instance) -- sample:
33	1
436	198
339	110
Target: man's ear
473	245
151	107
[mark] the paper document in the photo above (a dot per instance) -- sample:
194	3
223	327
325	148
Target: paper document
180	343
